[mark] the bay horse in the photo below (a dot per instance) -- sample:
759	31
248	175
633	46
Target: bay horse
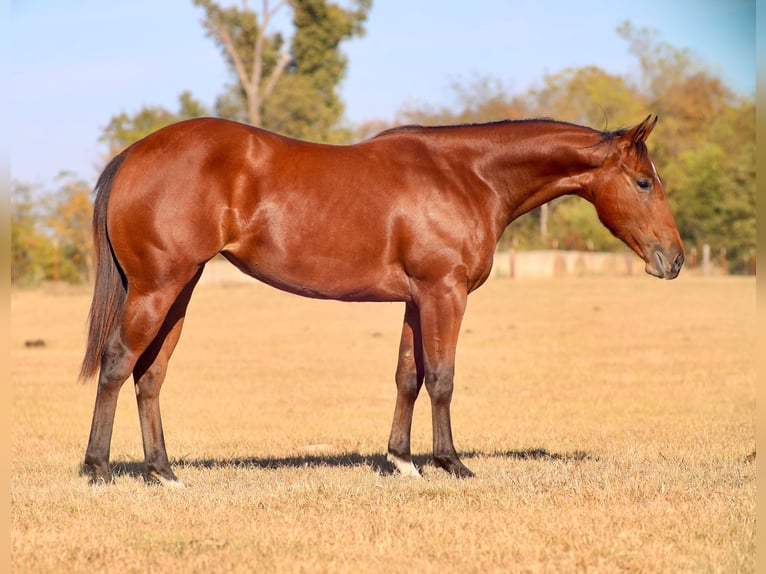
411	215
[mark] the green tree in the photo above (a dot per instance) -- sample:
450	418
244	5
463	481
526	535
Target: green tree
289	91
124	129
483	99
31	250
51	233
69	215
256	58
714	184
588	96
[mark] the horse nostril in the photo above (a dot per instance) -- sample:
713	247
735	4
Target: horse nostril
678	262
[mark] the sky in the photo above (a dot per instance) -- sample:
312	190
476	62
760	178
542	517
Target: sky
75	64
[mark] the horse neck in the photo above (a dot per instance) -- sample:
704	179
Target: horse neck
530	163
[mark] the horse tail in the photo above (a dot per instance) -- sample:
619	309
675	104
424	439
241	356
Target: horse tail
110	287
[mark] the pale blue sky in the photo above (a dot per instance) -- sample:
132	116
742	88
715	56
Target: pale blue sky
75	64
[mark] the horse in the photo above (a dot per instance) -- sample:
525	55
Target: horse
411	215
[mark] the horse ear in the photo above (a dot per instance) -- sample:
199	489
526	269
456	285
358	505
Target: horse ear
640	132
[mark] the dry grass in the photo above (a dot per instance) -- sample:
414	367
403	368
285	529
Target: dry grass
608	421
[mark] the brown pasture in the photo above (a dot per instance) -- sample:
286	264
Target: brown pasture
610	422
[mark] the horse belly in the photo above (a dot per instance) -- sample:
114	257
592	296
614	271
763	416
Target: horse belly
344	275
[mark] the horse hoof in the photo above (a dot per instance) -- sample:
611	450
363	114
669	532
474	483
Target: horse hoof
99	480
454	467
404	467
155	477
98	474
462	472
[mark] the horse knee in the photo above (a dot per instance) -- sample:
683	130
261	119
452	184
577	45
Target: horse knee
439	383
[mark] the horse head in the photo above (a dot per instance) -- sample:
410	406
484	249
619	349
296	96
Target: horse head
631	202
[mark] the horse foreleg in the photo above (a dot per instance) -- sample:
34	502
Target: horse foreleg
409	379
440	316
149	374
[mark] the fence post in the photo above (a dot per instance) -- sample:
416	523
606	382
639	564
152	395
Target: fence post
705	260
751	262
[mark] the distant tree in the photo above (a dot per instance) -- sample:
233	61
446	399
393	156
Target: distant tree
289	91
588	96
69	215
483	99
51	232
714	186
31	250
256	57
124	129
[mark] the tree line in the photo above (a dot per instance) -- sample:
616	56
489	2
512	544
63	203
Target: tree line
704	145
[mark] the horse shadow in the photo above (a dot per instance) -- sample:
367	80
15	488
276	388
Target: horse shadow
378	463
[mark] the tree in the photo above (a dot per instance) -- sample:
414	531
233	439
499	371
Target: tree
483	99
714	184
124	129
31	250
257	60
51	233
68	218
291	92
588	96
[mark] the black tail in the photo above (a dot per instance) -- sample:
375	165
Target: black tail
110	287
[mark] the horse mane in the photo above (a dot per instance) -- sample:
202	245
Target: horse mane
410	128
606	137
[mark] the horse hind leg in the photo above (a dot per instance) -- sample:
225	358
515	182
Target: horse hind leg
142	317
409	380
115	368
149	374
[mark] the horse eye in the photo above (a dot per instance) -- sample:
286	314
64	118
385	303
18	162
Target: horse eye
644	183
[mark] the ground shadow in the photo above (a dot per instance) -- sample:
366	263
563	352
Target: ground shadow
377	462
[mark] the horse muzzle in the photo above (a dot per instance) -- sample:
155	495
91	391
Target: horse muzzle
665	264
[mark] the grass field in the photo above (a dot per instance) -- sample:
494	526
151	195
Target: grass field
610	422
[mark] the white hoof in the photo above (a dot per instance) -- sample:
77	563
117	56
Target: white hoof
166	482
405	467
